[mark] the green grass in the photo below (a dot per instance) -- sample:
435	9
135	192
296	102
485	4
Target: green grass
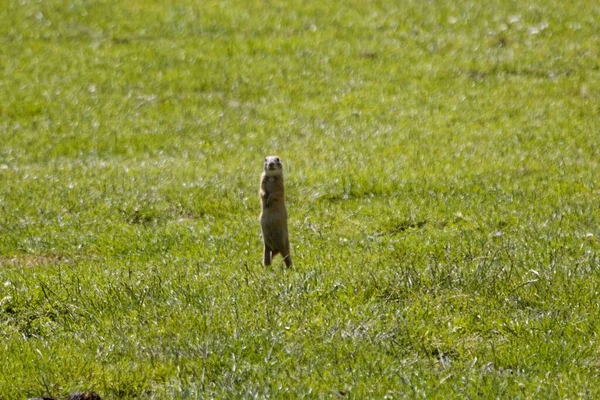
442	169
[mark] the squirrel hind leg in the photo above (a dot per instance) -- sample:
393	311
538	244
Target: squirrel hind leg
267	256
288	260
286	254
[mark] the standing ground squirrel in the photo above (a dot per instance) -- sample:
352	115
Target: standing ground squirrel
273	218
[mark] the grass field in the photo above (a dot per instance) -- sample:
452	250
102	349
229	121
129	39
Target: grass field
441	160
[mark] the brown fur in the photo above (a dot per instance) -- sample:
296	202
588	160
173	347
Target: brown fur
273	218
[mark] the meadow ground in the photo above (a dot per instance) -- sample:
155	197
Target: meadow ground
442	186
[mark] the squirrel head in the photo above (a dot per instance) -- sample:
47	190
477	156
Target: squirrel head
273	166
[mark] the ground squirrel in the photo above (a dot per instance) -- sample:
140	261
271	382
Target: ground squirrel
273	218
